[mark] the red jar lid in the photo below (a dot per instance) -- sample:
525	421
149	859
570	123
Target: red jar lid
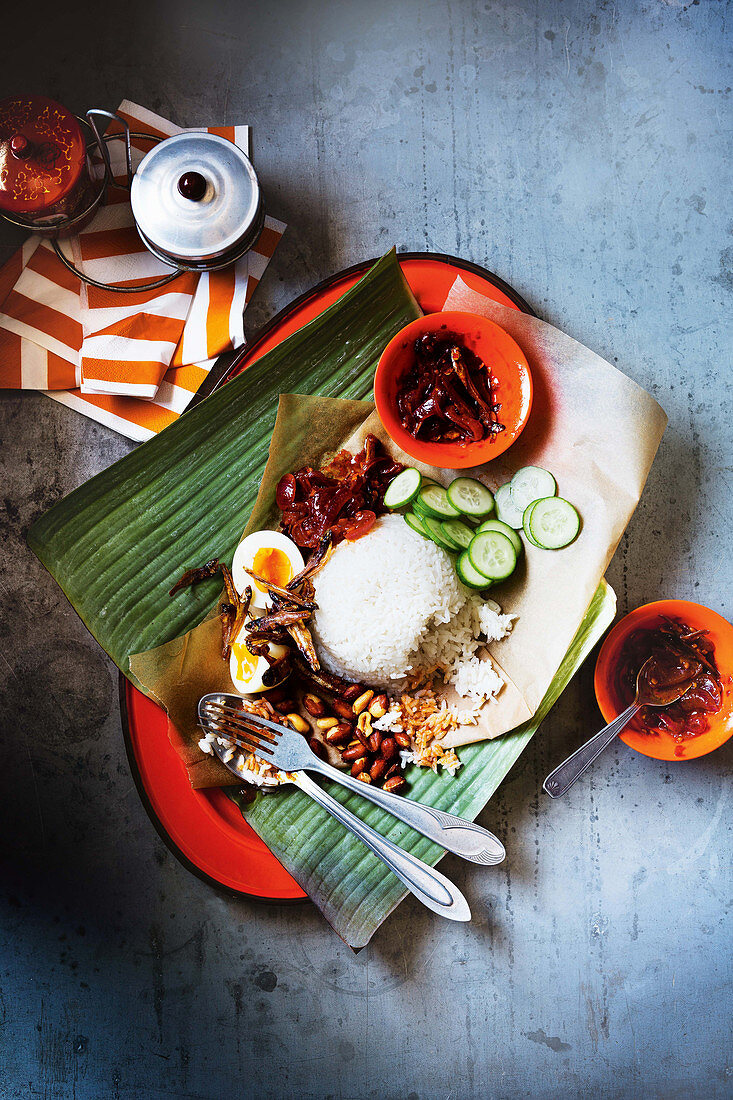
42	154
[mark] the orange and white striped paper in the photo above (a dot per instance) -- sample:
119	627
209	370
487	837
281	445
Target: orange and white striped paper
132	361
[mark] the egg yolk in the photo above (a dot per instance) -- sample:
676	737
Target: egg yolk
274	565
246	661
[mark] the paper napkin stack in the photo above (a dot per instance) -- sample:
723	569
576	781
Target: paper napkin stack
132	361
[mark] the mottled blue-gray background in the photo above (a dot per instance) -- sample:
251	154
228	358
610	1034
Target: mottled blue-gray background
582	151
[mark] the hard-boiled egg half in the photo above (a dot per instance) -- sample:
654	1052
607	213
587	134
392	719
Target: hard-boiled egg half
275	557
271	555
247	669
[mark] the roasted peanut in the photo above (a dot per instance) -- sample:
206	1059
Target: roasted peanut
363	701
298	723
403	740
318	748
358	766
353	751
342	709
388	748
395	784
378	706
284	706
362	736
350	693
314	705
393	769
364	723
378	768
326	723
375	740
364	777
338	735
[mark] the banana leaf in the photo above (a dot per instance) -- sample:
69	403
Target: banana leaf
118	543
353	890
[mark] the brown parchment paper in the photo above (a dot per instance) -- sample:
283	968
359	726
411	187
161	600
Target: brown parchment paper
592	426
178	673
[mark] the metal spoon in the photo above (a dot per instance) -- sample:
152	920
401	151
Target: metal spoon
648	694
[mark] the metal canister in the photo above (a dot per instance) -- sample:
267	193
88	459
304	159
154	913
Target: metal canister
197	202
44	170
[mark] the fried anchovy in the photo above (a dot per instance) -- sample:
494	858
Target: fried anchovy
317	559
276	634
301	635
231	591
328	681
463	374
193	576
285	593
282	617
232	620
277	671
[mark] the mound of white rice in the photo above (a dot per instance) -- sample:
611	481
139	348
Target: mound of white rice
391	604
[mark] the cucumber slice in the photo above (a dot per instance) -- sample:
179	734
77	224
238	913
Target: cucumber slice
554	523
418	508
525	524
470	497
416	524
434	502
432	526
532	483
506	508
505	529
493	555
470	576
403	488
456	531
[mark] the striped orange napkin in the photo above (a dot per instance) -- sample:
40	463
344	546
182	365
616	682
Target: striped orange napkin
131	361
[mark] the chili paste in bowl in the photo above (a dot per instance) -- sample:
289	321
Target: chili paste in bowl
679	652
686	640
453	390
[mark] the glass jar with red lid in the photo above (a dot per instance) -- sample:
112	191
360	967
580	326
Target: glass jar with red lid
44	171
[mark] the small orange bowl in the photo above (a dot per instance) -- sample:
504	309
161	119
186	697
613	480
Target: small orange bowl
662	746
501	354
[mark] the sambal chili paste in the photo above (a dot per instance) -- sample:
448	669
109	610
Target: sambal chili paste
447	395
343	498
678	650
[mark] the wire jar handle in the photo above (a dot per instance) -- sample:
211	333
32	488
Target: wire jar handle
101	141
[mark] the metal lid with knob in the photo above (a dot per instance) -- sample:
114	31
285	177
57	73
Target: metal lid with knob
196	201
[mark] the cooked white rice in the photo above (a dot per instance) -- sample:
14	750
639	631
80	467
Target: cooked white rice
252	770
390	604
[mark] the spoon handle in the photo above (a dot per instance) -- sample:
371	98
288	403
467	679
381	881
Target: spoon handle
562	778
456	835
428	885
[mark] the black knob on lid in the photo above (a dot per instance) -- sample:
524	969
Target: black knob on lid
192	185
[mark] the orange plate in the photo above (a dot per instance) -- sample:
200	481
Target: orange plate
490	343
662	746
205	829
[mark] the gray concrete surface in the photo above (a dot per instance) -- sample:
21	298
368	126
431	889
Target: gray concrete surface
582	151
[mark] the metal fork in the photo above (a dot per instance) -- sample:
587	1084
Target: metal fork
289	752
455	834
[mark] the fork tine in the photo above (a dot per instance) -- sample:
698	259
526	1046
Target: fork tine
239	729
237	723
240	741
245	746
241	719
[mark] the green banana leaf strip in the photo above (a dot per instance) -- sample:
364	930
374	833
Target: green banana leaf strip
118	543
354	891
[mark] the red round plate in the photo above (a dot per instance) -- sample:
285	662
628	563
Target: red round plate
204	829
